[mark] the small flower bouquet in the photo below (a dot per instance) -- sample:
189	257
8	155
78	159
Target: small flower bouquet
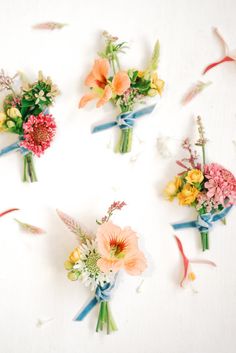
25	113
108	82
208	187
98	259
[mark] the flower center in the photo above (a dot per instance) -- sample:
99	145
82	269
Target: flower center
91	263
40	134
117	248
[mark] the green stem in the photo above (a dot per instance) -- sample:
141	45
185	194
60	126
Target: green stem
203	155
125	141
29	173
112	322
25	174
205	241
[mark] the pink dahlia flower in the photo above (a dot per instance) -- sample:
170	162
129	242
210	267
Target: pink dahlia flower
220	185
38	133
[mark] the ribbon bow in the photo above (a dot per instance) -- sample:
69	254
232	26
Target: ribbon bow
204	222
125	120
102	293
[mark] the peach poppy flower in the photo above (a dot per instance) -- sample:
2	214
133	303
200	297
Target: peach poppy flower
101	87
119	249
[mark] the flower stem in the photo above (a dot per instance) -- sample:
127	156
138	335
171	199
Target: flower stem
125	141
105	318
29	170
205	241
203	155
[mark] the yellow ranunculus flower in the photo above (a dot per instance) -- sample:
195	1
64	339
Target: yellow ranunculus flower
172	188
194	176
187	195
157	85
74	256
14	113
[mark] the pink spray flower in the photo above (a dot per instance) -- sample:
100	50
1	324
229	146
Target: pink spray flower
220	185
38	133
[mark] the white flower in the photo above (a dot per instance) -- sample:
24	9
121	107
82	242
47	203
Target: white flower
91	275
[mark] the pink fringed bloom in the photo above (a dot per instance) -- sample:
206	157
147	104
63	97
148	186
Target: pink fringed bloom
119	249
38	133
220	185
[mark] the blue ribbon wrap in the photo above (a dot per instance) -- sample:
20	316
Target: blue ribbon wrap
13	147
125	120
204	222
102	293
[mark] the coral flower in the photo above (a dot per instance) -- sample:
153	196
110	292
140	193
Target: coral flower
101	87
38	133
119	249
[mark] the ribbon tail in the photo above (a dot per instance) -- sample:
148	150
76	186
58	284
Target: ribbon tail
10	148
86	310
222	214
177	226
147	110
105	126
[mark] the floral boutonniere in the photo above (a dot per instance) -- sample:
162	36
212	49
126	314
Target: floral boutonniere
124	88
25	113
208	187
99	258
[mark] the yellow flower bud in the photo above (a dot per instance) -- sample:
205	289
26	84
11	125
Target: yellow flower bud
74	256
72	276
68	265
10	124
194	176
14	113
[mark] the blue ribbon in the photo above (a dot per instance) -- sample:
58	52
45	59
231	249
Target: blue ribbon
125	120
102	293
13	147
204	222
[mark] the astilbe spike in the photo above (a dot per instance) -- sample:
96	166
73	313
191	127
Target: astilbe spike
73	226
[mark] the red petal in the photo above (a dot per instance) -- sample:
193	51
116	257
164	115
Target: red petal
185	260
209	67
8	211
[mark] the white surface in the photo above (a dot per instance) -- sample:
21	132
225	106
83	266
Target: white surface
82	176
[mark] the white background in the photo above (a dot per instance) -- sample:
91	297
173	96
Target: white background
81	175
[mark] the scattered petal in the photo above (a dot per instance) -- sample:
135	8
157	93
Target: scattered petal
166	146
29	228
227	56
194	91
184	258
8	211
49	25
204	262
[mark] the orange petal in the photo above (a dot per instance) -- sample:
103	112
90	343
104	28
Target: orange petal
86	98
106	265
135	264
101	69
105	97
90	80
120	83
